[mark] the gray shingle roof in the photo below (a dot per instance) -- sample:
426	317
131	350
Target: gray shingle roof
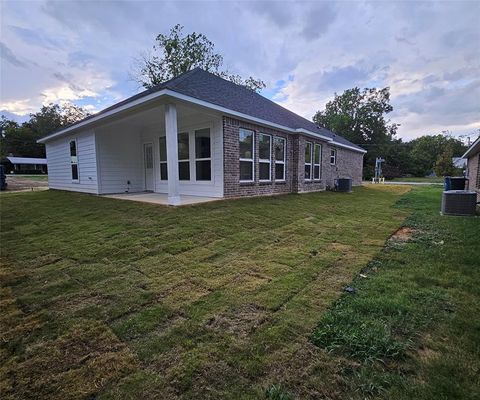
210	88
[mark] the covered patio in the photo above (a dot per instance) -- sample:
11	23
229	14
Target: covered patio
168	153
161	198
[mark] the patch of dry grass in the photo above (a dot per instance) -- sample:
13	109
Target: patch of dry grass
123	300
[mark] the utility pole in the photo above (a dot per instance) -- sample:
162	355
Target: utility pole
378	170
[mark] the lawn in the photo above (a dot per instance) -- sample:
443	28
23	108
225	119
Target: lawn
240	299
39	178
426	179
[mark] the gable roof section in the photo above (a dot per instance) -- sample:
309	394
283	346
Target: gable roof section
208	88
473	149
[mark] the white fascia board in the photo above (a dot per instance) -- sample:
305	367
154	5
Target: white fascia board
310	133
101	116
471	149
193	100
346	146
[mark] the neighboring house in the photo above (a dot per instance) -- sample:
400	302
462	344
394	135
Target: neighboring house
473	167
459	162
27	165
198	134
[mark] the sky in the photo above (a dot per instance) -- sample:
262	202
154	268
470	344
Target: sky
84	52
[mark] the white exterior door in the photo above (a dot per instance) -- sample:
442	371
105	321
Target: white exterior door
148	165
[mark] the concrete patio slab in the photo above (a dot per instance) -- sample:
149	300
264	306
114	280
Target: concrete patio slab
160	198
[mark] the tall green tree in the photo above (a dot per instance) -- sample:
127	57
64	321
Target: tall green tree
176	53
426	150
21	139
360	116
444	163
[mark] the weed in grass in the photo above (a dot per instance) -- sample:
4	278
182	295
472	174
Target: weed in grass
277	392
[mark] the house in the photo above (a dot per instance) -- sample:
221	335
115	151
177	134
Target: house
198	135
459	162
26	165
473	167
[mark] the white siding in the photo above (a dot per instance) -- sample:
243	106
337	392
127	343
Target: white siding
59	166
120	160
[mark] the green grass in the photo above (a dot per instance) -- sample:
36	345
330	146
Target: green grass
426	179
40	178
110	299
411	327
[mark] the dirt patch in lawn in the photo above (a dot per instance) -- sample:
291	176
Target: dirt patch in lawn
402	235
240	322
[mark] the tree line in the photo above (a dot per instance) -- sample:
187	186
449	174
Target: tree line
359	115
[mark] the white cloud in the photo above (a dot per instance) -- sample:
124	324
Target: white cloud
428	54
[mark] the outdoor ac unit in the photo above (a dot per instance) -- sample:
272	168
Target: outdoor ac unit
459	202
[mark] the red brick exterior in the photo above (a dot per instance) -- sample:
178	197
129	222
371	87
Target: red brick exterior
349	163
473	167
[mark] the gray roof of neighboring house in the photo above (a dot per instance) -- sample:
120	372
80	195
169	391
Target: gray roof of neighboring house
459	162
210	88
27	160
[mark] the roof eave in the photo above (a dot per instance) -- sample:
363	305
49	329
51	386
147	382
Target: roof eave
179	96
473	148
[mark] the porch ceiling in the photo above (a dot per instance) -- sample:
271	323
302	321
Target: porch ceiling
155	116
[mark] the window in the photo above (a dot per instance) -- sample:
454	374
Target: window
74	160
333	157
264	157
183	157
163	159
246	155
308	161
280	158
203	156
317	162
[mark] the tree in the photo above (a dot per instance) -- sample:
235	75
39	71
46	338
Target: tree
176	53
426	150
443	164
360	116
21	140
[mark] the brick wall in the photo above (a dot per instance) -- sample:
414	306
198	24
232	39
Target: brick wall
473	171
231	167
349	163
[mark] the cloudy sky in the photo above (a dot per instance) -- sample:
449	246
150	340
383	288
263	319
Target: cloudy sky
83	52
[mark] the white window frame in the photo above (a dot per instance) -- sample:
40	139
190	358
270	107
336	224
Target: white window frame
264	160
251	160
195	159
76	160
319	164
333	155
282	162
310	164
185	160
160	162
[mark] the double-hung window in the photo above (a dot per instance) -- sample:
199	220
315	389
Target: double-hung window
308	161
333	157
317	162
264	157
74	160
247	153
183	156
280	158
203	155
163	158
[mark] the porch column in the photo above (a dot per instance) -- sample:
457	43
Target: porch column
172	153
